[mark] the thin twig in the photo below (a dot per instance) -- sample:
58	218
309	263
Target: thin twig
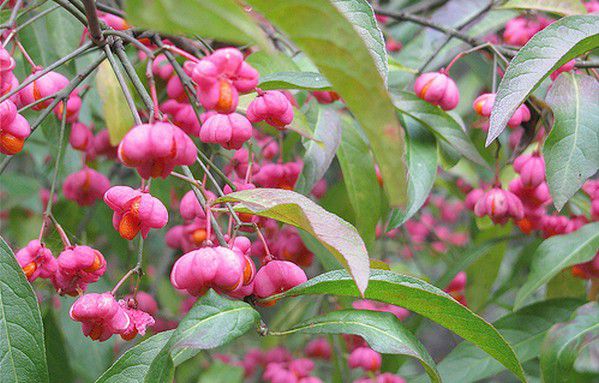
132	74
202	200
123	83
93	23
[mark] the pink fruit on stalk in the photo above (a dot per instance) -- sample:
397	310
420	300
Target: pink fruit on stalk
228	130
81	137
531	168
519	30
273	107
239	164
36	260
221	76
190	208
145	302
301	367
135	211
326	97
532	198
500	205
73	106
45	86
318	348
155	149
277	277
161	67
102	145
567	67
437	88
175	90
365	358
587	270
139	320
113	21
14	129
100	315
592	6
85	186
281	176
209	267
186	119
77	267
483	105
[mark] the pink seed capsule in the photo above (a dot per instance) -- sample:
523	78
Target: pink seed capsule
36	260
365	358
228	130
438	89
500	205
100	316
47	85
483	105
135	211
139	320
85	186
273	107
531	169
155	149
81	137
277	277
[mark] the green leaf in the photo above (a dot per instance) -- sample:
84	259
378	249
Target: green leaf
219	19
564	342
117	115
546	51
571	150
294	80
561	7
337	235
363	190
22	352
483	272
382	331
524	329
361	16
343	57
422	298
59	369
220	372
319	154
557	253
422	171
134	364
440	123
212	322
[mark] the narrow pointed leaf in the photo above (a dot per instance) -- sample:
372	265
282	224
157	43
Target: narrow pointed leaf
224	20
212	322
571	150
546	51
343	56
422	298
383	332
134	364
361	15
557	253
59	369
321	151
564	342
439	122
294	80
363	190
22	352
524	329
422	171
337	235
562	7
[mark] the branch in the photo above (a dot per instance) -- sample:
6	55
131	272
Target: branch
124	87
91	13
